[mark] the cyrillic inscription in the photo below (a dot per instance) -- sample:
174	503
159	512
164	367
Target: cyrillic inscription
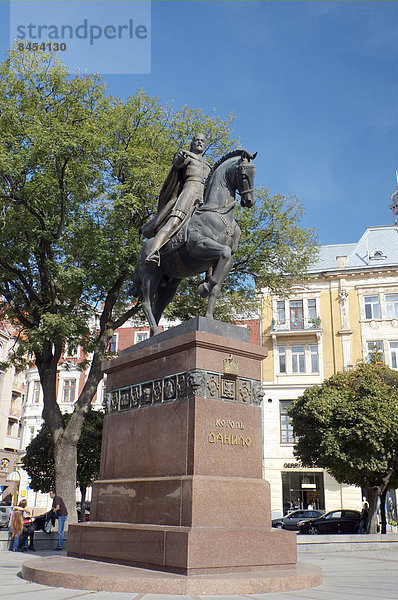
229	423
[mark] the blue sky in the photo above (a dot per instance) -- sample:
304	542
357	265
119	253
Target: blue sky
313	86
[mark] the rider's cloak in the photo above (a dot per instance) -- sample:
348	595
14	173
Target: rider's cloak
168	196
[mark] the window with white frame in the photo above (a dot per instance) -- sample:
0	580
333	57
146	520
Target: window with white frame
376	348
298	359
69	390
71	351
392	306
282	359
312	310
140	336
14	400
280	312
296	314
394	355
36	392
30	357
372	307
314	358
287	434
112	346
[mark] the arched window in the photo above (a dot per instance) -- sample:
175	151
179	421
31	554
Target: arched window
4	465
377	255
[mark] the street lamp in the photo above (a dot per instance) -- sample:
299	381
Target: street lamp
15	477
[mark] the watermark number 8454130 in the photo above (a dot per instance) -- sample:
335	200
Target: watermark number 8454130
44	46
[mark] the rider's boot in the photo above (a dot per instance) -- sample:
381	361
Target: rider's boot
158	241
162	236
153	257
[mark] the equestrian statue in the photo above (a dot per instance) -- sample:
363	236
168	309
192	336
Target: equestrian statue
194	230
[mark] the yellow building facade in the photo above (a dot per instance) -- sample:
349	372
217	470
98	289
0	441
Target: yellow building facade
347	307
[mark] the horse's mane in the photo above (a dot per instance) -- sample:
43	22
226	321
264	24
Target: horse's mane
230	154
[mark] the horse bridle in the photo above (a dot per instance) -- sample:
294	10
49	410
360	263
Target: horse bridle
240	168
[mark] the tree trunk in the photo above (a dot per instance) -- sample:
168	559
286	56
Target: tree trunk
383	511
373	496
65	462
65	446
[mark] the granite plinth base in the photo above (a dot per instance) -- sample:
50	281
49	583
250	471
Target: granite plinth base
183	550
196	436
81	574
189	500
180	487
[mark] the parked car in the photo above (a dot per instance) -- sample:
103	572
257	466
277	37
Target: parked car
291	519
5	511
335	521
79	514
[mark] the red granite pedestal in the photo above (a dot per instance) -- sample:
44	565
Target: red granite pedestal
181	487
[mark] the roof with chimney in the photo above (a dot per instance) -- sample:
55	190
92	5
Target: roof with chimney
377	248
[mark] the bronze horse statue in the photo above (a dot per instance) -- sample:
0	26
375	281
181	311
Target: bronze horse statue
208	240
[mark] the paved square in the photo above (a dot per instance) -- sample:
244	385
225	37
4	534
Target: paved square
355	575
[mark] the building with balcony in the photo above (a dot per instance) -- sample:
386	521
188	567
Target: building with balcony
12	389
347	307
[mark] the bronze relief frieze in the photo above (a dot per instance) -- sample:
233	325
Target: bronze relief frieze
196	382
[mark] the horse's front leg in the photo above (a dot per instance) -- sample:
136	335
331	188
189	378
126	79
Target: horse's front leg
210	249
221	271
150	284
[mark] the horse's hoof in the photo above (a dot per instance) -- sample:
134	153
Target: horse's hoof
203	290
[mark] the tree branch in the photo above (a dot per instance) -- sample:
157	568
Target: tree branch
127	315
61	176
27	285
5	291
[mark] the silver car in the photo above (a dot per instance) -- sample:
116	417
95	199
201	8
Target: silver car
292	518
5	512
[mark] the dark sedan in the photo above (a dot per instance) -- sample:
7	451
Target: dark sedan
335	521
291	519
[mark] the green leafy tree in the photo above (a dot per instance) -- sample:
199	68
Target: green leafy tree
348	425
38	460
80	172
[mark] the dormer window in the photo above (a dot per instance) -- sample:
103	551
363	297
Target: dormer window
377	255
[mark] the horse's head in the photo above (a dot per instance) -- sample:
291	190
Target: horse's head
244	177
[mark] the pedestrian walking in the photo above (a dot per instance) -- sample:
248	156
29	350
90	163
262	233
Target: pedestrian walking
363	523
61	514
